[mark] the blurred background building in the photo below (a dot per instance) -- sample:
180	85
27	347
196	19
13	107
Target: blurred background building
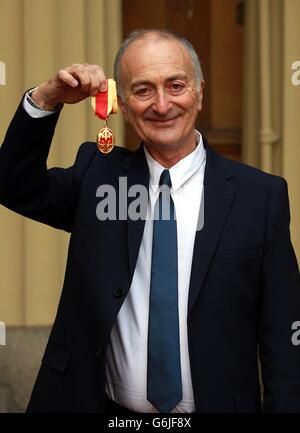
251	113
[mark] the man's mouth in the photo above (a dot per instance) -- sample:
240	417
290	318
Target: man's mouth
163	122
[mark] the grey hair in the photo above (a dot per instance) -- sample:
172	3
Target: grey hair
166	34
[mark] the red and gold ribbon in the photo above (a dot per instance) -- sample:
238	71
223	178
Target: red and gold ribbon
104	104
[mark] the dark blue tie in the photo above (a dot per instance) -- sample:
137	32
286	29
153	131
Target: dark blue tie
164	389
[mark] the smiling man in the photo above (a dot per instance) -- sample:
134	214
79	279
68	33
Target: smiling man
161	96
171	317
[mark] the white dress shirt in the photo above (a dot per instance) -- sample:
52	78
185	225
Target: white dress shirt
126	366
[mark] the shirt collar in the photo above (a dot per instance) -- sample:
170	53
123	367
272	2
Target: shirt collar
181	171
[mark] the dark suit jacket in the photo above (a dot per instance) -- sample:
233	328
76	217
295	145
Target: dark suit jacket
244	290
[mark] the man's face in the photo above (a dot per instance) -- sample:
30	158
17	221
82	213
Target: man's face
160	97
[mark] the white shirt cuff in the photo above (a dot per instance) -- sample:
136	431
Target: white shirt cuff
35	112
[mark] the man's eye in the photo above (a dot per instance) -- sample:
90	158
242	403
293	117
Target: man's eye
143	93
177	88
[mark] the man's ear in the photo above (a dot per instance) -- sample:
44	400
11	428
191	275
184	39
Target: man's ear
200	95
123	107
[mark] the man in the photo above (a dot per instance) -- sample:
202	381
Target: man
158	315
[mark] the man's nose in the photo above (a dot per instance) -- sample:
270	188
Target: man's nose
161	102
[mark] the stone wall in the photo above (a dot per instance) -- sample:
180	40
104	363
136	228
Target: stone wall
20	360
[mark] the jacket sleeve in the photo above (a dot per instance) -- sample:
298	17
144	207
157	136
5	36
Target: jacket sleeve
26	185
279	308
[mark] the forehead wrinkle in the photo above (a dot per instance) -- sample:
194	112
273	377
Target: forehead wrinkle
139	74
156	66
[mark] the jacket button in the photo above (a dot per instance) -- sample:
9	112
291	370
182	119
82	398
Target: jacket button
99	352
119	292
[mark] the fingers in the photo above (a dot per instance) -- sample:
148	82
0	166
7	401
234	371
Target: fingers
102	79
91	78
67	78
72	84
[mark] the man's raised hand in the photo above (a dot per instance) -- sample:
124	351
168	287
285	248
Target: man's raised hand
70	85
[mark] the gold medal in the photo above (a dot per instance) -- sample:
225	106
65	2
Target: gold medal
105	103
105	140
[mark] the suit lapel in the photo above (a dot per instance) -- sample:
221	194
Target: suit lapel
135	168
218	196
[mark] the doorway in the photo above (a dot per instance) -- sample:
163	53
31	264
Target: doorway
215	28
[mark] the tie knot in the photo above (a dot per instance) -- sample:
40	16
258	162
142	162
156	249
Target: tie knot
165	179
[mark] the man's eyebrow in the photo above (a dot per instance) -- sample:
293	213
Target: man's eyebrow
174	77
138	83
